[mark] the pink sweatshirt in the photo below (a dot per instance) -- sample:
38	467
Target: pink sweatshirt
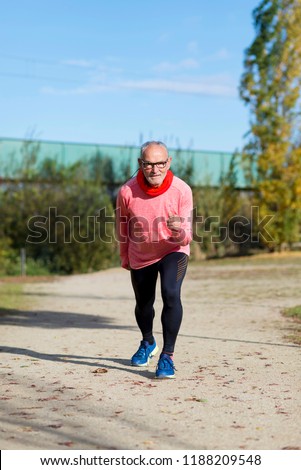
143	235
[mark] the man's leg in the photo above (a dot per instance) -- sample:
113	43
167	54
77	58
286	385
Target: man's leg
144	284
172	270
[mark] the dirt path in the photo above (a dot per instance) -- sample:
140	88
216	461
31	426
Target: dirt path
66	381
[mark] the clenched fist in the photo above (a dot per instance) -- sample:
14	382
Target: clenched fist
174	222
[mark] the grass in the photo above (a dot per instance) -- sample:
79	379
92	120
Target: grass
254	259
11	297
295	314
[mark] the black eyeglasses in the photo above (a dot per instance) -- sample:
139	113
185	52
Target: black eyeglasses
149	165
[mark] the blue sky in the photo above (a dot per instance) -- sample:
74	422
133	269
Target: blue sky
125	71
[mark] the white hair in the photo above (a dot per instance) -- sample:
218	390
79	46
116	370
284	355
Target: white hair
151	142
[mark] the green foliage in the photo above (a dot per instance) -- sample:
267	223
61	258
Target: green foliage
63	215
271	87
8	257
58	213
221	213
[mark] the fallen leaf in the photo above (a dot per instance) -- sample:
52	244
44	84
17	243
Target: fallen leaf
200	400
67	443
61	389
78	397
148	443
100	370
48	398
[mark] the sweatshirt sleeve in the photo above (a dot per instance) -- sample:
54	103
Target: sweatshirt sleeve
122	229
184	236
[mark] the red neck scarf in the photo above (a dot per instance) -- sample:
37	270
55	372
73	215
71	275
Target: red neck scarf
152	190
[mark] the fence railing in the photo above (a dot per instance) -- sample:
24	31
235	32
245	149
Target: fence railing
207	166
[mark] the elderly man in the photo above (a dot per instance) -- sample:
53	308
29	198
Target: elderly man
154	212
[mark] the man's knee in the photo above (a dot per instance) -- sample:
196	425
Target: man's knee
170	296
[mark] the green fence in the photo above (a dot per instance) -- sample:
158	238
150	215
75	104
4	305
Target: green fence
207	166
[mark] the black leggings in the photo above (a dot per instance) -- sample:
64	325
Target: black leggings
172	269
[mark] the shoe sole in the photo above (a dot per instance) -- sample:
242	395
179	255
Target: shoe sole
153	353
165	377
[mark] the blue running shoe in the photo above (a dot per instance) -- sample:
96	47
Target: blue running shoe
145	352
165	368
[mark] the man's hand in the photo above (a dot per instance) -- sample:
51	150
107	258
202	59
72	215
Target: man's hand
174	222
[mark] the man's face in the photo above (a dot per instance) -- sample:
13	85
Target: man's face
155	174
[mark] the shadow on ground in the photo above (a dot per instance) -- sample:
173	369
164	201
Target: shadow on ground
49	319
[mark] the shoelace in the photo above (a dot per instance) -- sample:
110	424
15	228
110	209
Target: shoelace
141	351
167	363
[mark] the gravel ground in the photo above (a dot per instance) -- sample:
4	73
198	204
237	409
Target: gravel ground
66	381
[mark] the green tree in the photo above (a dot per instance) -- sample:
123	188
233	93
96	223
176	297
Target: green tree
221	212
62	215
270	86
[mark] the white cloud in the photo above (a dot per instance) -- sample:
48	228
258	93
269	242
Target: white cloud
89	89
190	63
95	65
206	86
172	77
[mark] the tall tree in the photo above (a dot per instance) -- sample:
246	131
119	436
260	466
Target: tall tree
271	87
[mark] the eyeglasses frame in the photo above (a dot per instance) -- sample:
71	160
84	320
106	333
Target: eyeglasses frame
145	163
